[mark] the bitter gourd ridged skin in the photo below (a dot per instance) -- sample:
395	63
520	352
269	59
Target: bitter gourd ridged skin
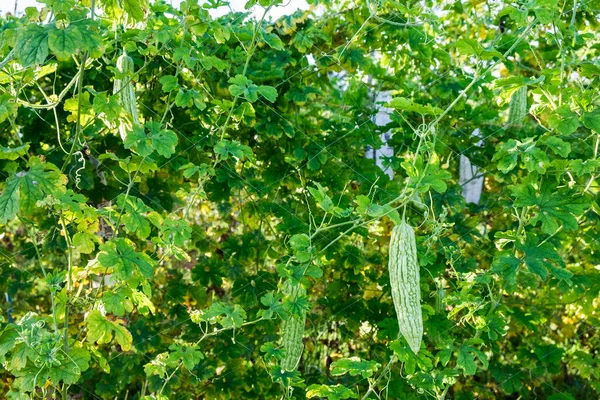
517	108
123	89
404	282
292	332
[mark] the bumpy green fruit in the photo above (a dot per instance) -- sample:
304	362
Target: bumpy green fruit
517	108
404	282
292	332
123	89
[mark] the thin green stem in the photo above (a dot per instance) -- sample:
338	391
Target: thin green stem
129	187
251	49
69	282
373	385
39	258
485	72
78	128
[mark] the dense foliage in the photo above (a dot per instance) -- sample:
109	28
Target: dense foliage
165	264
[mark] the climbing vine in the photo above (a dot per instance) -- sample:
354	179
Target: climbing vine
190	208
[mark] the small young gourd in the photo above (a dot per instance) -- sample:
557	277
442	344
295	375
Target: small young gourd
125	92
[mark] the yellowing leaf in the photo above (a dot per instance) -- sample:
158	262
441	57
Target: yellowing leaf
101	330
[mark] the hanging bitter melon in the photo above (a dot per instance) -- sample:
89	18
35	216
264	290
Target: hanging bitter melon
292	331
517	107
125	92
403	268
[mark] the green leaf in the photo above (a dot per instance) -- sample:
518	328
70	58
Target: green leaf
68	371
472	47
12	153
269	92
285	377
362	204
431	178
297	306
300	244
118	301
581	167
210	62
224	314
136	9
554	207
100	330
107	105
134	215
175	231
190	355
337	392
158	366
225	148
272	40
7	340
314	272
539	258
65	43
80	108
409	358
169	83
271	351
506	265
242	86
507	156
274	304
138	141
8	108
401	103
120	255
185	98
85	242
32	45
164	142
321	197
354	366
142	302
465	359
591	120
9	200
221	33
561	396
557	145
91	42
534	159
23	189
20	354
564	120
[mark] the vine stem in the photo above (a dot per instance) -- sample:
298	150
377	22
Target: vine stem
373	385
487	70
8	58
61	95
204	336
225	125
121	212
246	64
356	224
69	279
170	377
78	128
129	187
39	258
